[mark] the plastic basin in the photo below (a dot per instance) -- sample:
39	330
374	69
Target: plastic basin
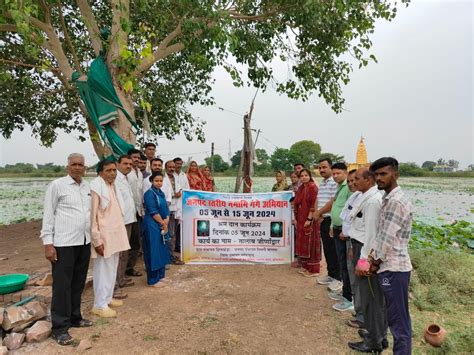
12	282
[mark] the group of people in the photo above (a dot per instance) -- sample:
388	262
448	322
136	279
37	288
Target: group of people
131	207
363	220
134	206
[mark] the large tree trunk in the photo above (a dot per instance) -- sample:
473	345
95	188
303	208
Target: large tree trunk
123	126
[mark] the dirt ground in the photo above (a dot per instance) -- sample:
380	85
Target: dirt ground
234	309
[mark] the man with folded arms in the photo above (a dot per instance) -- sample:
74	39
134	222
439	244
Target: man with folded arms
109	237
66	238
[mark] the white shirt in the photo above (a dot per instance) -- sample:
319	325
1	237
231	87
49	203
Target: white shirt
124	188
135	179
145	185
174	202
182	178
364	228
352	202
67	215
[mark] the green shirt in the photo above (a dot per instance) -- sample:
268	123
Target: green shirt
342	195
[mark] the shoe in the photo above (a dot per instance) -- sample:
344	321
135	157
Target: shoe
343	306
335	286
165	279
104	313
63	339
363	333
325	280
84	323
335	296
354	323
115	303
302	271
363	347
167	267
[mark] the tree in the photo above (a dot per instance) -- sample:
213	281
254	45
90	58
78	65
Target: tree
428	165
161	56
306	152
441	161
453	163
219	164
334	157
281	159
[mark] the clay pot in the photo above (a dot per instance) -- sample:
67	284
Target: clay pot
435	335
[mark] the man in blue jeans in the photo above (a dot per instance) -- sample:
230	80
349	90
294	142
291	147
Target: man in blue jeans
389	257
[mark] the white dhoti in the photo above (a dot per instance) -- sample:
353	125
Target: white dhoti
105	273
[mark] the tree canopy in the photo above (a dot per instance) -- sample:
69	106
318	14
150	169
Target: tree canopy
162	54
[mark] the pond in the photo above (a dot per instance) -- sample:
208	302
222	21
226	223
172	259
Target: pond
436	200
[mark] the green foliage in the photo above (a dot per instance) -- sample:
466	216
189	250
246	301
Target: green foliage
162	54
428	165
282	159
306	152
218	164
334	157
459	235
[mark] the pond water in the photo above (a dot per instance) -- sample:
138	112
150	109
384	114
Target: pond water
436	200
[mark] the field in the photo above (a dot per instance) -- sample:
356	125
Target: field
436	200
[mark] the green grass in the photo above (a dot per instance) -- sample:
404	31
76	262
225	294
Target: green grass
442	292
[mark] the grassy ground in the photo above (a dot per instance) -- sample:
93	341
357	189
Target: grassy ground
442	291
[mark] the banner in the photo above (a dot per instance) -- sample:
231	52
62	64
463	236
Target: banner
227	228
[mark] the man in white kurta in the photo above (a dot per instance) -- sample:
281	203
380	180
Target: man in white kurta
109	237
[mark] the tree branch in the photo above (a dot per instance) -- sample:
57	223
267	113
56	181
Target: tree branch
21	64
162	51
91	25
120	13
8	28
77	65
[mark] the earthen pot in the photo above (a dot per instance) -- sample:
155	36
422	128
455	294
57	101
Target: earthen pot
435	334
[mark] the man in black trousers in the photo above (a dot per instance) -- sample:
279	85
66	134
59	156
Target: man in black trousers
66	238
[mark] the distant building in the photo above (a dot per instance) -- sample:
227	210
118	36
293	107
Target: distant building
443	168
361	157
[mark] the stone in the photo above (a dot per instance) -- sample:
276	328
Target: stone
15	316
3	350
45	281
13	341
20	328
37	309
38	332
84	345
1	314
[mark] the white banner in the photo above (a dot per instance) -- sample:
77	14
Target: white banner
226	228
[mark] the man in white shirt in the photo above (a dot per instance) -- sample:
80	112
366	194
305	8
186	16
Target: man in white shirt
150	152
124	167
365	219
135	179
173	192
183	181
66	238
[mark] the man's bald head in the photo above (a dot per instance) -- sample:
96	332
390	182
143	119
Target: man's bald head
364	179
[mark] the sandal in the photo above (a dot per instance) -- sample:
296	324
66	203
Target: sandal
63	339
134	273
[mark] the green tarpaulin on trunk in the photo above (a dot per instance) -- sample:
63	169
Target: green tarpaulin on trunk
102	103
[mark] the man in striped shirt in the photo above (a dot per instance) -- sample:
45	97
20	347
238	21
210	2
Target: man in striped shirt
327	191
389	257
66	238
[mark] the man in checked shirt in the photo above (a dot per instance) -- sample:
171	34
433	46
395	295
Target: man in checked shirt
389	257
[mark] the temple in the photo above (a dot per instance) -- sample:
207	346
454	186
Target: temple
361	157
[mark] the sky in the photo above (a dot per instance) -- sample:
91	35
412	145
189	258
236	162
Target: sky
415	104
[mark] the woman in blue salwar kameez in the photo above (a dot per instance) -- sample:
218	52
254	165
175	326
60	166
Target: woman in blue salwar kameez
155	230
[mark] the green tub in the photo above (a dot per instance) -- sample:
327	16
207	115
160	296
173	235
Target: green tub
12	282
